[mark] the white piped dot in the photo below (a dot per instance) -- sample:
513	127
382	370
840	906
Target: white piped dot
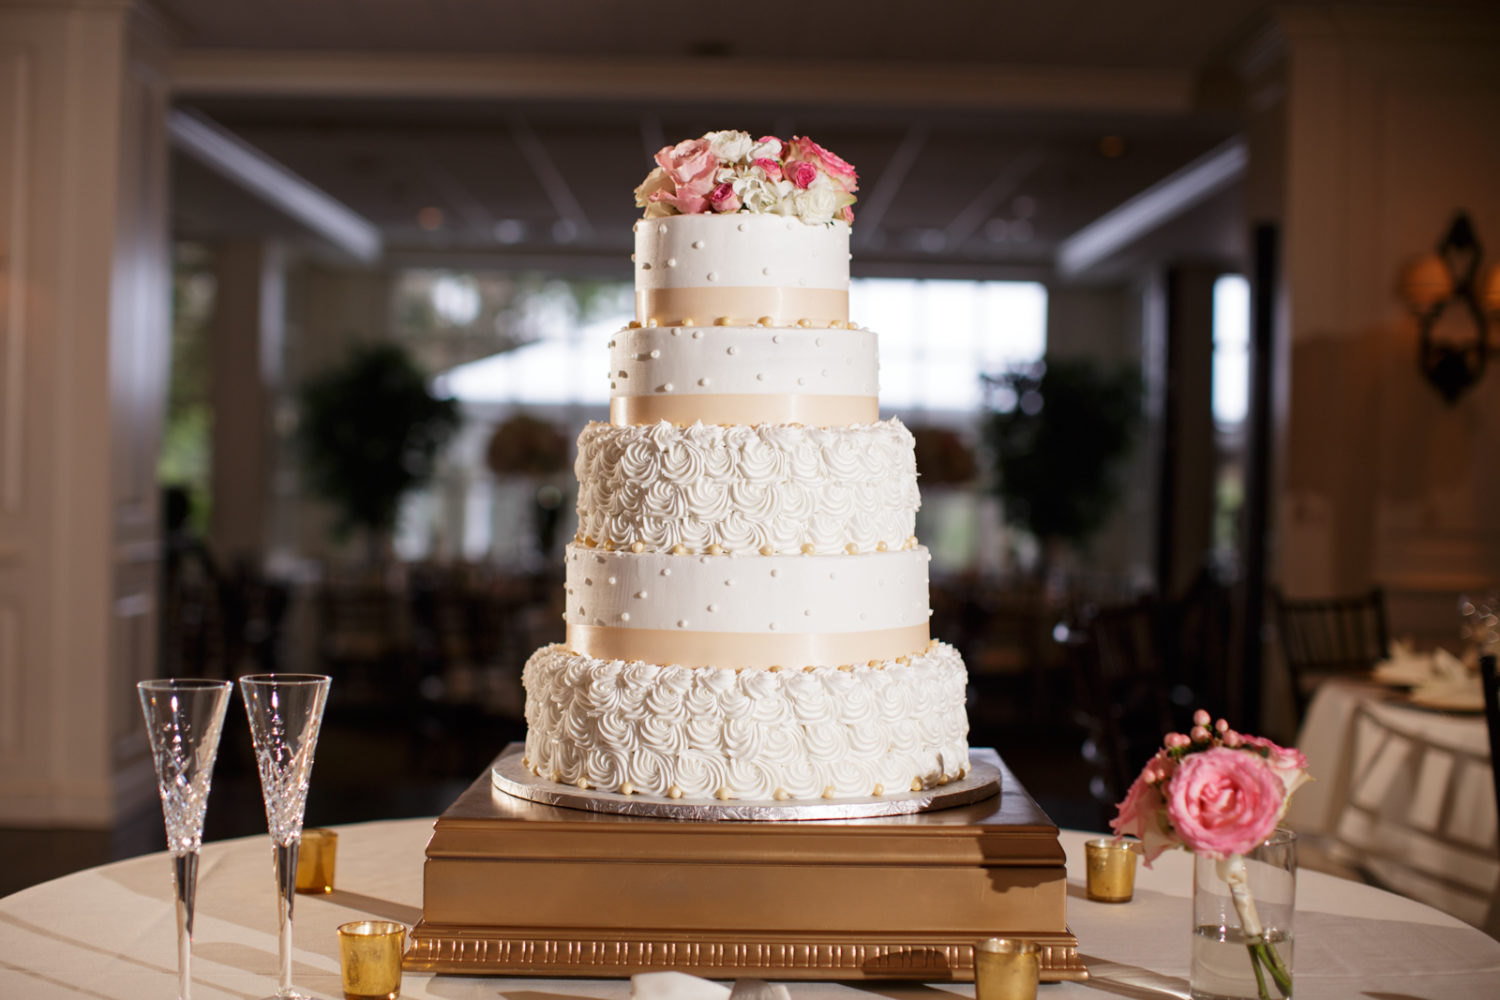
766	271
713	275
671	261
662	229
801	380
640	595
807	613
612	581
703	381
802	281
624	616
824	373
655	354
773	626
732	350
729	582
774	572
760	376
666	387
682	623
818	342
697	334
741	227
666	571
776	338
697	244
713	607
676	331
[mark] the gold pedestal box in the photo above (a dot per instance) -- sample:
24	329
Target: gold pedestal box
512	887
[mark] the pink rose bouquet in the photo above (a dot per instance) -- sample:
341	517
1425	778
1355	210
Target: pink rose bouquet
726	172
1218	794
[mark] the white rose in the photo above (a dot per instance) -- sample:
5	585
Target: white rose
818	202
768	148
729	147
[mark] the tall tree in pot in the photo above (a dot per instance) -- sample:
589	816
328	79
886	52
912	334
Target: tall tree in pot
370	431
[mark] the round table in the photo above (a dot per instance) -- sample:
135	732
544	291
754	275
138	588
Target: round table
1403	793
108	933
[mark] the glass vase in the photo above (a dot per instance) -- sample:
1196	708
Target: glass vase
1242	922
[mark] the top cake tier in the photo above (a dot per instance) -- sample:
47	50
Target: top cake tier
741	269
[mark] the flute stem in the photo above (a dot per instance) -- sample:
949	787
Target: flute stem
286	888
185	886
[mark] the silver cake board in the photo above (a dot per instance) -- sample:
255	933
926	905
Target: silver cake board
511	775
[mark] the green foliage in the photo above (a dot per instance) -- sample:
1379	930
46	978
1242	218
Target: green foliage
1059	449
369	432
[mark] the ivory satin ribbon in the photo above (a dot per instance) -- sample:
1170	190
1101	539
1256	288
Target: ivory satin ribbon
745	649
743	305
744	408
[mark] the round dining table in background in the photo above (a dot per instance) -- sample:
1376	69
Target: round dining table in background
107	933
1403	793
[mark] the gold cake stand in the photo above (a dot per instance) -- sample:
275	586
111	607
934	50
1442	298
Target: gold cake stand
518	887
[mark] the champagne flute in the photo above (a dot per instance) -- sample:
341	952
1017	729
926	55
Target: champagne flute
285	713
184	719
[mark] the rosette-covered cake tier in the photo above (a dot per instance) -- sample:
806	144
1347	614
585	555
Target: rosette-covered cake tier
746	601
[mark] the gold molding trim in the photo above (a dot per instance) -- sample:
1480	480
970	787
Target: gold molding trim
927	957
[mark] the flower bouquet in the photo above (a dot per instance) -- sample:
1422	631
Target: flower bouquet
1219	794
730	172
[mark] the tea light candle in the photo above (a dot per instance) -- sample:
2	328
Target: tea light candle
1006	969
1111	869
316	859
370	959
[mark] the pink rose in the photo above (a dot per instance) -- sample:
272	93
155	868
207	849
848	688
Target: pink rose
1222	802
842	173
802	174
724	199
771	168
1288	763
691	166
1142	816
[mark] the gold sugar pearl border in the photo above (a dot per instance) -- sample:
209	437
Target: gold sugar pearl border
654	322
807	548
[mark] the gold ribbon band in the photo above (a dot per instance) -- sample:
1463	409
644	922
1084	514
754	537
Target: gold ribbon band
741	306
745	649
746	408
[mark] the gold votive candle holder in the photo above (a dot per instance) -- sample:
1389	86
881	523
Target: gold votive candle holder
316	859
1006	969
370	959
1111	869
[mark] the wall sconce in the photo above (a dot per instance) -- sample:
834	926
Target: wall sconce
1434	282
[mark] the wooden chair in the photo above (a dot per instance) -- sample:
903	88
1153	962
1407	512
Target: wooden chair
1124	694
1337	635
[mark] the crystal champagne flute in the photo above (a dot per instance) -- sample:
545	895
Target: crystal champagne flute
285	713
184	719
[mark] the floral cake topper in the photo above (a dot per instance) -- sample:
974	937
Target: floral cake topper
727	172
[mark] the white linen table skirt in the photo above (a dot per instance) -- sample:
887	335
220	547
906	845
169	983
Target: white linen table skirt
109	933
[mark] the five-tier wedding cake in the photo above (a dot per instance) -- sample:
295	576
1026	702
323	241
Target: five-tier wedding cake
746	601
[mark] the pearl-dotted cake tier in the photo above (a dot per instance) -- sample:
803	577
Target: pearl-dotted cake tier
741	268
747	734
773	488
739	374
752	611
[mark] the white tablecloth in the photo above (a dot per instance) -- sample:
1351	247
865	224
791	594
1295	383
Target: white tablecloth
108	933
1402	792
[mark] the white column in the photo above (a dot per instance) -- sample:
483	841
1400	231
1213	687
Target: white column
245	359
84	341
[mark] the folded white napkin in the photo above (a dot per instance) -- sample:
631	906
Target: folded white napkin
675	986
1403	665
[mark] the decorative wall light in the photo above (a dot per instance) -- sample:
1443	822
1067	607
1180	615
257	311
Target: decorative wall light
1446	279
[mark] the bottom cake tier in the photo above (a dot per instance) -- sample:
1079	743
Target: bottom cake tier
750	733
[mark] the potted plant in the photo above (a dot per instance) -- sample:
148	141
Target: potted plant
369	431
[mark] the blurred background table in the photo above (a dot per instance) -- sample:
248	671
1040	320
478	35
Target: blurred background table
108	933
1403	794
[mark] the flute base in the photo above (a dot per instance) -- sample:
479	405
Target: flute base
516	887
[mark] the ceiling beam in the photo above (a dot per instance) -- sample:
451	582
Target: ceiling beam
1005	184
872	208
1160	203
832	83
559	192
247	167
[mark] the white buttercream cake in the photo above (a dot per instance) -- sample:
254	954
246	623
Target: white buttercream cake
746	601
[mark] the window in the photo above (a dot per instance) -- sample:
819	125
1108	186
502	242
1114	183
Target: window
1231	364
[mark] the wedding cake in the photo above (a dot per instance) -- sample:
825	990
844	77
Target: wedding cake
746	601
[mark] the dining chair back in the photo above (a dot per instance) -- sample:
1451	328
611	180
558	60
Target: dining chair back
1336	635
1488	677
